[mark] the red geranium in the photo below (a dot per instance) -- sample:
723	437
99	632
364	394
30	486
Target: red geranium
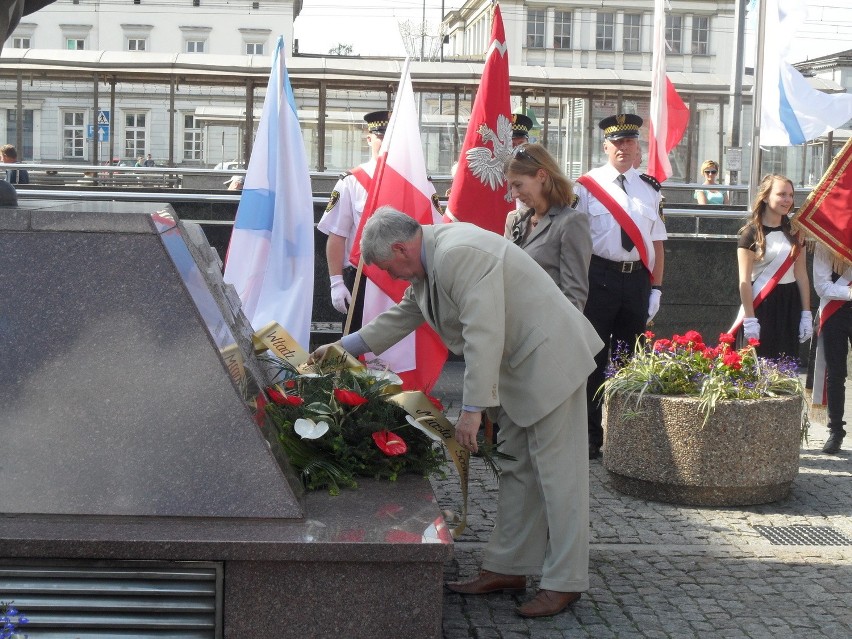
733	360
283	398
662	345
649	335
390	443
727	338
753	341
694	337
348	397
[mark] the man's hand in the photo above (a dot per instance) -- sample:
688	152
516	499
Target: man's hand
318	354
340	295
467	428
654	303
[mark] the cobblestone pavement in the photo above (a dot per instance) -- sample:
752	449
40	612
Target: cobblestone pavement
662	570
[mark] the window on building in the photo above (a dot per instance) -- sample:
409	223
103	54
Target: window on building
605	32
137	44
535	28
21	42
195	46
75	44
73	134
134	135
674	33
562	29
632	32
700	34
254	48
25	152
193	149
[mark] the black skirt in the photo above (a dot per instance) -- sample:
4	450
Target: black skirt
779	316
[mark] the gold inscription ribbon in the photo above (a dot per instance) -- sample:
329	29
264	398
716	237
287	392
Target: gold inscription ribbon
274	338
234	362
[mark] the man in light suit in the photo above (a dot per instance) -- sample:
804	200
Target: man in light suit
528	351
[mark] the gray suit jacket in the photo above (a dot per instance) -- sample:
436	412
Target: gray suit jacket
561	243
526	347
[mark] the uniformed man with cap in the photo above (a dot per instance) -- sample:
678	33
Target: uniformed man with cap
342	216
626	270
521	127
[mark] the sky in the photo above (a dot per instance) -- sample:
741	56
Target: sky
371	26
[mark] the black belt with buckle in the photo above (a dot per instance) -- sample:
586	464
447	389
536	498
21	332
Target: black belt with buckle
621	267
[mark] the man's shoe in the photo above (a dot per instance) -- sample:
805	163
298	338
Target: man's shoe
594	451
487	581
547	603
832	444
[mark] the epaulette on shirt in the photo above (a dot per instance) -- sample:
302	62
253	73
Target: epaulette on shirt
652	181
575	201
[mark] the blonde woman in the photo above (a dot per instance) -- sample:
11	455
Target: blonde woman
710	195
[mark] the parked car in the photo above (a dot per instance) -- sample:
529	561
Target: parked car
229	166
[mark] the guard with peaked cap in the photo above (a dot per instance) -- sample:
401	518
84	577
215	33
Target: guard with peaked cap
342	216
626	270
377	122
521	127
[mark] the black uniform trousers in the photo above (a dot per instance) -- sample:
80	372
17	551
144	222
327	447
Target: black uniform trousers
836	335
618	309
349	279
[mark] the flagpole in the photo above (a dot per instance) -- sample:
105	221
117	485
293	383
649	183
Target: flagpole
757	91
355	289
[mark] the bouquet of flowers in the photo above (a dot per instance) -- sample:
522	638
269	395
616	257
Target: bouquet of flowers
685	365
338	424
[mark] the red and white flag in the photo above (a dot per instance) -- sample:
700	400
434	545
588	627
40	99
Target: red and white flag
479	193
669	115
400	180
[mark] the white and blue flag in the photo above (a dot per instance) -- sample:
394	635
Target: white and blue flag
792	111
270	258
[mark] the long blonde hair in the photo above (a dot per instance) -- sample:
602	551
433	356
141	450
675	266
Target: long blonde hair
527	159
757	209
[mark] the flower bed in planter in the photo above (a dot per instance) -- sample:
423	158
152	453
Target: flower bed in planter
746	453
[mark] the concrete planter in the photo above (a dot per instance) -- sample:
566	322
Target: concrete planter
747	453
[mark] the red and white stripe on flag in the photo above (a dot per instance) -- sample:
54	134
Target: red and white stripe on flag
400	180
479	193
669	115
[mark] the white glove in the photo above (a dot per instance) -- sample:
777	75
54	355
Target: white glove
751	328
806	326
654	303
340	295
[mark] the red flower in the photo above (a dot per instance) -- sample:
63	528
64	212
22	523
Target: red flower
662	345
389	443
753	341
709	353
648	335
727	338
694	337
733	360
282	398
348	397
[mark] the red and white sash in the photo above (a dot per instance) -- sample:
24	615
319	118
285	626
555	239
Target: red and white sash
767	281
621	216
827	308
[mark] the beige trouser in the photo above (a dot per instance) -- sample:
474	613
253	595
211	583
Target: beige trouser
542	522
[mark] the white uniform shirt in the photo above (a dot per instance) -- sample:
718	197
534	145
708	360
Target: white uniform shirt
344	216
776	244
642	203
825	288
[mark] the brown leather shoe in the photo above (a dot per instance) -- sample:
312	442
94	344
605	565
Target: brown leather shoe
547	603
487	581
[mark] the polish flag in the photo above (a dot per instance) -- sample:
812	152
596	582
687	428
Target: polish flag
400	180
479	193
669	115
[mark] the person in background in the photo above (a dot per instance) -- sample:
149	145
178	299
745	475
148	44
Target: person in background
709	195
149	161
521	127
625	279
342	217
140	161
833	284
235	183
9	155
772	264
551	232
527	350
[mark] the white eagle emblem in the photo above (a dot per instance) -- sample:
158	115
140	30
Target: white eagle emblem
487	165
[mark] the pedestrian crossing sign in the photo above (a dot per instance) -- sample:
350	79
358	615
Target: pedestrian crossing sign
103	118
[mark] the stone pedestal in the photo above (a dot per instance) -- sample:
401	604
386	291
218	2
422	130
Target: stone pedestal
746	453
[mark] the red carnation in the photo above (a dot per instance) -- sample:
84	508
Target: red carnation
390	443
282	398
348	397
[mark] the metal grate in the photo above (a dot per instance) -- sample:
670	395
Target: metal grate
802	535
100	599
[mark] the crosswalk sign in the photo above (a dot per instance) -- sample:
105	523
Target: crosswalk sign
103	118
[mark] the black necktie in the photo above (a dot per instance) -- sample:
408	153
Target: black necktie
626	243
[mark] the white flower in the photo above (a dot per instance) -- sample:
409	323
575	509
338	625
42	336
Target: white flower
308	429
420	427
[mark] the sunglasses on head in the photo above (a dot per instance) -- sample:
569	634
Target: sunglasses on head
711	171
521	153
